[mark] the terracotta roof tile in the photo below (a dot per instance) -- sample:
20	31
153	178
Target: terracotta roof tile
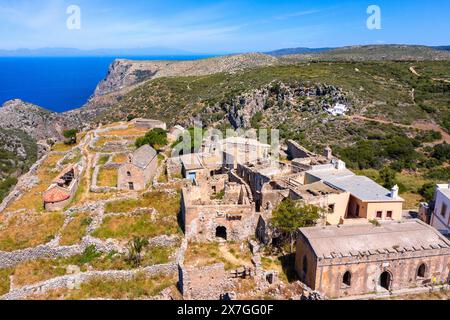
55	195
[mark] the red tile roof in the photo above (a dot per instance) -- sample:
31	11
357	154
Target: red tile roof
55	195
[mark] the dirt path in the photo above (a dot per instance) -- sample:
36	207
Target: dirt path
419	125
439	79
413	70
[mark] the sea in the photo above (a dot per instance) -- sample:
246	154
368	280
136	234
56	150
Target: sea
58	83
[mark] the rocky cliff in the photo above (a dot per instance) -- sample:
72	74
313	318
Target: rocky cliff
246	110
38	123
124	74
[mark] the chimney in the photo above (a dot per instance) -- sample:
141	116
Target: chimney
328	153
340	165
394	192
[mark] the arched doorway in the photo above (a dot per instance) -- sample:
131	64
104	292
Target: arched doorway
221	232
347	279
421	271
385	280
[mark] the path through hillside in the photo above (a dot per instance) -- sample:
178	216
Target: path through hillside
419	125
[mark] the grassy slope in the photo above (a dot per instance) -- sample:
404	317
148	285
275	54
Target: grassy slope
378	89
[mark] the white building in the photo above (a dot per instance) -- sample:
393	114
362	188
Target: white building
440	218
338	110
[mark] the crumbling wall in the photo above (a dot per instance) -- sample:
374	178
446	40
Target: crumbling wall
205	283
296	151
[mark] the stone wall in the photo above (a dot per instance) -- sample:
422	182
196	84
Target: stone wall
72	281
205	283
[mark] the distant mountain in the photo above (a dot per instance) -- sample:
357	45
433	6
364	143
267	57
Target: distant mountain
71	52
445	48
302	50
375	53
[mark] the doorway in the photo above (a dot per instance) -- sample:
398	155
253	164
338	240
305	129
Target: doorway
385	280
221	232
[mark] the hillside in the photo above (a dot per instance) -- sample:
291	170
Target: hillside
26	131
257	89
126	73
376	53
386	90
289	51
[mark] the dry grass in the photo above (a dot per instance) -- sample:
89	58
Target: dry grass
130	131
107	178
75	230
120	158
27	230
127	227
166	204
62	147
36	271
32	200
166	222
4	281
205	254
140	287
103	140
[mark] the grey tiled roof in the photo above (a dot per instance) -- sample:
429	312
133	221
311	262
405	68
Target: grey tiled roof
367	239
143	156
362	188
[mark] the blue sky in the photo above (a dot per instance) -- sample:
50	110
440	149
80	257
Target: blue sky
203	26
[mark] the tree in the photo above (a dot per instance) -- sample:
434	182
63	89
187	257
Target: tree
157	138
71	136
291	215
387	176
136	246
427	191
442	152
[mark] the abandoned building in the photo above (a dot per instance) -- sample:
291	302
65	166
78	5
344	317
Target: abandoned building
63	189
137	172
359	259
148	124
194	166
235	150
220	208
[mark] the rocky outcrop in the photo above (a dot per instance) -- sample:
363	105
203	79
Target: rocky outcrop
127	73
38	123
304	97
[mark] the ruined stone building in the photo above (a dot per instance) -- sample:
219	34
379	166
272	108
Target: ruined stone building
194	166
63	188
236	150
137	172
219	207
148	124
359	259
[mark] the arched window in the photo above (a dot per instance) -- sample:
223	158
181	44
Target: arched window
347	279
305	265
128	173
421	271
